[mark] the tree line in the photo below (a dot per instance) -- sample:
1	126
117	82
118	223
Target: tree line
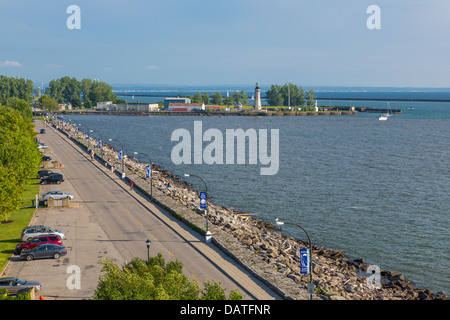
290	94
16	88
237	97
85	93
19	155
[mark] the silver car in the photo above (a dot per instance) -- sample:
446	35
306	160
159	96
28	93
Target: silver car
57	195
34	231
15	285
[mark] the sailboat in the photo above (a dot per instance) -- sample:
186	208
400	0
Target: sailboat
386	115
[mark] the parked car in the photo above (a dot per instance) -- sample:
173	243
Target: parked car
44	173
41	145
35	231
15	285
42	131
36	241
57	195
46	158
53	178
43	251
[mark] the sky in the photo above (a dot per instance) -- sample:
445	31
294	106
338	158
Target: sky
229	42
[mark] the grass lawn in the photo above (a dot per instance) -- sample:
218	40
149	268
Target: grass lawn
10	232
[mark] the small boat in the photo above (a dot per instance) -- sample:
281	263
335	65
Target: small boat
411	108
386	116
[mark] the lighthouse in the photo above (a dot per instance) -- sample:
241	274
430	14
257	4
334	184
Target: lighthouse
257	97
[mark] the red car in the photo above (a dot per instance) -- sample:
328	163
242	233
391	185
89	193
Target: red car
36	241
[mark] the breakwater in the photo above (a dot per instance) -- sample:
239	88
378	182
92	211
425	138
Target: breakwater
258	246
205	113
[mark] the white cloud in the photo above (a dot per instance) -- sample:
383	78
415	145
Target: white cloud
151	67
9	63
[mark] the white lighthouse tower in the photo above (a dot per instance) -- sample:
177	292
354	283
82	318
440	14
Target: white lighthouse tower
257	97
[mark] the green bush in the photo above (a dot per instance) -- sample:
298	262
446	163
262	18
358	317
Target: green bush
154	279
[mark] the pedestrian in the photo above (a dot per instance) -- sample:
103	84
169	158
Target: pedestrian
131	185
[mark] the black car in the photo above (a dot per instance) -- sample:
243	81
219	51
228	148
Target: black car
53	178
44	173
44	251
42	131
46	158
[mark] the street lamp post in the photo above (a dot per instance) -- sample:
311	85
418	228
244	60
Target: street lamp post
123	157
89	140
208	233
280	223
100	144
151	172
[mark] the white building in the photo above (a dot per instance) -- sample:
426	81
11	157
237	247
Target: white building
144	107
104	105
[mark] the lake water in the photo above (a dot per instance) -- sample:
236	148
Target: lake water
377	190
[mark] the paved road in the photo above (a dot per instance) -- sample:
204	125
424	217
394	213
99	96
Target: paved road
107	220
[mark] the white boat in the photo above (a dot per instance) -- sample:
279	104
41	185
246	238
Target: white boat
386	116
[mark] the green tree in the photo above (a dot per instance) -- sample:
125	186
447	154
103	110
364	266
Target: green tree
205	98
153	279
311	97
16	87
274	96
282	95
20	105
236	98
198	98
228	100
89	92
19	158
244	97
48	103
216	98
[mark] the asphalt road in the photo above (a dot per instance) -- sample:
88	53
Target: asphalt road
107	220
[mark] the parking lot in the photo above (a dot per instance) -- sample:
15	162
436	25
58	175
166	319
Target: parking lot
105	219
76	222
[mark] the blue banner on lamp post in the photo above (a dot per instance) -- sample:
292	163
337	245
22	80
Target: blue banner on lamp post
304	261
202	200
148	172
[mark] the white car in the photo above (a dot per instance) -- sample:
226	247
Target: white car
34	231
57	195
42	146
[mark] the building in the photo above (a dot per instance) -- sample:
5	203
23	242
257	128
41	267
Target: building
103	105
168	101
257	97
186	106
67	106
143	107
